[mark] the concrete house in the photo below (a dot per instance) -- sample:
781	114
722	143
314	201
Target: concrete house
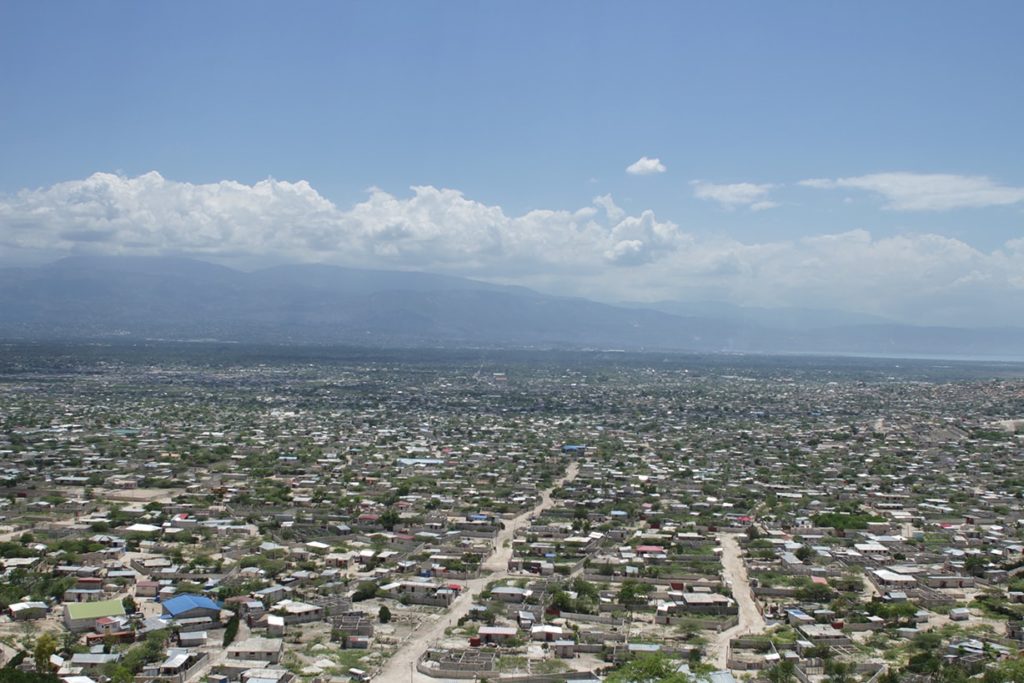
257	649
82	616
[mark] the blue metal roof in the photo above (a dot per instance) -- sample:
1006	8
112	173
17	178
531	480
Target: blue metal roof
183	603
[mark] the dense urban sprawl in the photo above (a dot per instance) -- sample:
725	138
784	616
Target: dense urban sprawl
198	512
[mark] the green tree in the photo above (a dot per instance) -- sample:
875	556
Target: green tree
46	645
389	518
129	604
153	646
890	676
838	672
68	641
585	589
815	592
1009	671
781	673
11	674
632	593
365	591
649	667
383	614
231	630
926	662
561	601
975	565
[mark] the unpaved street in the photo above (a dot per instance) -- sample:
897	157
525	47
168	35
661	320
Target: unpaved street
402	666
750	619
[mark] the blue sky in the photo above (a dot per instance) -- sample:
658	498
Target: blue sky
905	118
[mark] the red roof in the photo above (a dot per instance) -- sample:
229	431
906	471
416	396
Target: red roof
650	549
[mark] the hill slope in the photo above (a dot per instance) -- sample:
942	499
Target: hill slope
178	298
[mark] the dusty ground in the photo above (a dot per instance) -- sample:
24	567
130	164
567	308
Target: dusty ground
139	495
750	619
402	666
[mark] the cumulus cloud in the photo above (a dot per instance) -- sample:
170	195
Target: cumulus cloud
598	251
432	228
734	195
646	166
927	191
606	202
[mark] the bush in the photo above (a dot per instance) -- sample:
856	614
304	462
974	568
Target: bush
9	674
365	591
815	592
845	521
129	604
231	630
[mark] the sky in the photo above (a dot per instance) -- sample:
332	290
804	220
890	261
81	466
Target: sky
855	156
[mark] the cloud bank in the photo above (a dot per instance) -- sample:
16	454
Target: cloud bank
599	251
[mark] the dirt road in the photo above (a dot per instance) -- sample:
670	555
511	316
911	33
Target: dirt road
70	520
750	619
402	666
498	560
869	592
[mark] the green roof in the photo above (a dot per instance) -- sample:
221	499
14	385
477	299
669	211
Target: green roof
95	610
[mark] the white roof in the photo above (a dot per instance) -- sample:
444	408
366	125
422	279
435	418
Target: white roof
893	577
19	606
497	630
175	661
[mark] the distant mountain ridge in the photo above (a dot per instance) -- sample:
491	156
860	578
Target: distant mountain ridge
179	298
789	318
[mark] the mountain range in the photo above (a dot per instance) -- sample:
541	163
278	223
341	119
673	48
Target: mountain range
177	298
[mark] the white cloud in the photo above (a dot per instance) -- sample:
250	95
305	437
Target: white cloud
606	202
646	166
927	191
599	251
433	228
734	195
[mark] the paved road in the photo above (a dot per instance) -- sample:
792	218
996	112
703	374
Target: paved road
402	666
750	619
